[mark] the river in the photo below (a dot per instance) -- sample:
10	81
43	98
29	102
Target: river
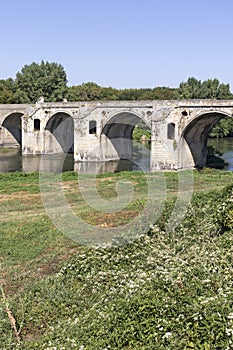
11	160
225	146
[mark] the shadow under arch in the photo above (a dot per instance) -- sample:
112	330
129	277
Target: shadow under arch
61	126
119	130
196	135
13	123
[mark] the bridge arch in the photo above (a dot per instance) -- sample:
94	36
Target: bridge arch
127	117
118	130
195	134
61	128
13	124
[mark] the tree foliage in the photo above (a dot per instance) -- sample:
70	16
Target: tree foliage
6	91
93	92
208	89
44	79
90	92
223	128
49	80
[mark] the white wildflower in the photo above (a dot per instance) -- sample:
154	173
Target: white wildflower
167	335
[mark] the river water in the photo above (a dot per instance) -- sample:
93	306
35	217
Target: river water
12	161
225	146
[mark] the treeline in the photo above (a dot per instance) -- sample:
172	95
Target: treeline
50	81
208	89
93	92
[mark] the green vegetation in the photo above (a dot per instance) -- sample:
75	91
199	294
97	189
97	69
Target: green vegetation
93	92
49	80
142	135
166	290
6	91
36	80
214	159
208	89
223	128
4	149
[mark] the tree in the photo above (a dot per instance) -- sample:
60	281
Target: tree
212	88
189	90
110	94
129	94
6	91
164	93
208	89
86	92
36	80
223	128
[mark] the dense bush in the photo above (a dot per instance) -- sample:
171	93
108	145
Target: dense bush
167	290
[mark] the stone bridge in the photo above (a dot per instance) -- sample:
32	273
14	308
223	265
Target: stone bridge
102	131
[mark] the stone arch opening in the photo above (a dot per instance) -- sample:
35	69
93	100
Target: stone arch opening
61	128
117	136
13	124
196	135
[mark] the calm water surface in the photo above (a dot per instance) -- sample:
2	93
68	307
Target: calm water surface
225	146
12	161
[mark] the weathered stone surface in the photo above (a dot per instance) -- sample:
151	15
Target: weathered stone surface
100	131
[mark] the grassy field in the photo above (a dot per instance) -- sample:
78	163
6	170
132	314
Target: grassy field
165	290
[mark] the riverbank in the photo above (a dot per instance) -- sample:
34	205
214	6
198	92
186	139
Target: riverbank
163	291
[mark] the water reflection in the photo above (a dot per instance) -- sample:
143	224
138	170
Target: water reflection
225	146
111	166
11	161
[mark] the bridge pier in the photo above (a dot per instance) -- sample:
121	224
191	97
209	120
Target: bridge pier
164	151
185	158
38	141
96	146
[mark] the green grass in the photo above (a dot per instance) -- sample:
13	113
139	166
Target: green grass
165	290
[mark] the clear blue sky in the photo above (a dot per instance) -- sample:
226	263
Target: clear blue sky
120	43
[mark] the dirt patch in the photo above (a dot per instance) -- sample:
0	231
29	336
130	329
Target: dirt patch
25	274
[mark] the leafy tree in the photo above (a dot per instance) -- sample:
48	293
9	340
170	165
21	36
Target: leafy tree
208	89
224	92
212	88
6	91
223	128
110	94
86	92
164	93
189	90
129	94
44	79
92	92
157	93
146	94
